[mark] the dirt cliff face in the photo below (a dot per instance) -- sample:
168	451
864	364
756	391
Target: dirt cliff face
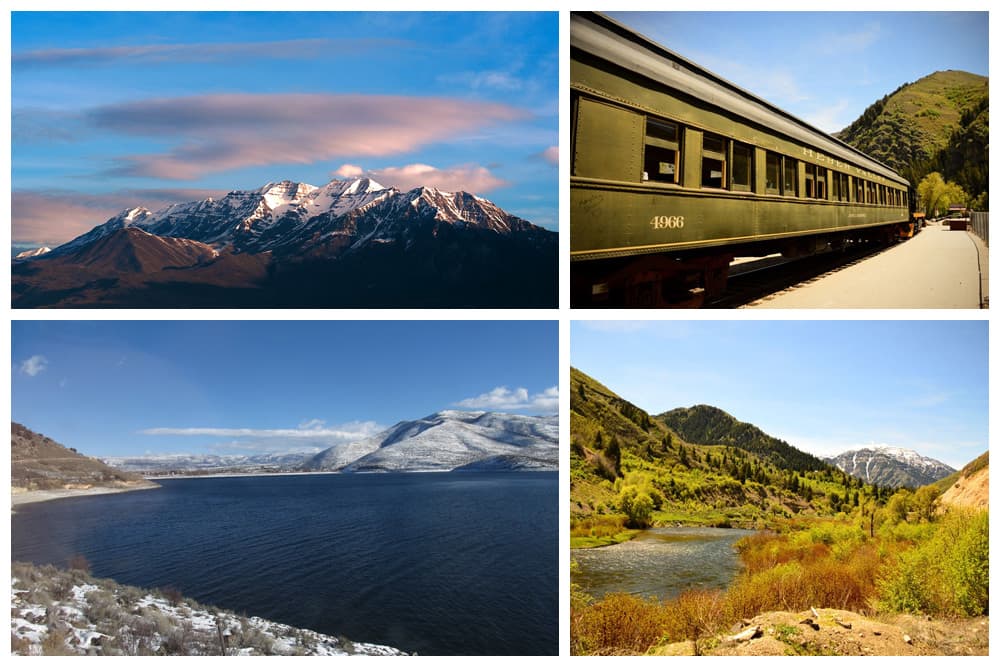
971	492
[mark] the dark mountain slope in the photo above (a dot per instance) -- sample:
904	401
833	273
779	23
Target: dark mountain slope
708	425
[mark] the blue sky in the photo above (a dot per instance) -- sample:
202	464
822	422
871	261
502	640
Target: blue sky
824	387
130	387
111	110
824	67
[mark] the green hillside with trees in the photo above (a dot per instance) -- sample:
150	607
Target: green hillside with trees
939	124
630	470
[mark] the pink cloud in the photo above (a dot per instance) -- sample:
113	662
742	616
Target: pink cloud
349	171
551	155
467	177
220	132
54	218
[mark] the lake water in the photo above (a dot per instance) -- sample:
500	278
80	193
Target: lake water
443	563
662	562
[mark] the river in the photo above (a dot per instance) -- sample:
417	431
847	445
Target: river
661	562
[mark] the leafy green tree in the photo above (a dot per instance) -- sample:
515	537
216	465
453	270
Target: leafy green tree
936	194
637	506
898	508
925	502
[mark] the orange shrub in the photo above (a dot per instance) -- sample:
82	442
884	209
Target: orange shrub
618	624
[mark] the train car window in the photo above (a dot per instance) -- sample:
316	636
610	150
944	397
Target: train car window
742	166
789	186
859	191
810	181
821	183
772	173
713	162
845	188
662	152
834	186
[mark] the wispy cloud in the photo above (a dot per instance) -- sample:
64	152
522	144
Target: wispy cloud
551	155
34	365
465	177
503	398
504	81
311	430
54	217
218	132
144	54
852	42
831	116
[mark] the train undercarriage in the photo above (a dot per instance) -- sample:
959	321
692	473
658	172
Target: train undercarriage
693	278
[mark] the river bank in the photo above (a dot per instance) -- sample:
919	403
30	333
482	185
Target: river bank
20	496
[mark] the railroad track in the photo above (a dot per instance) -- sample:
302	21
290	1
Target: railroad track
757	281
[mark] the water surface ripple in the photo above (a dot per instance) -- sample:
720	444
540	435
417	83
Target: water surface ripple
661	562
444	563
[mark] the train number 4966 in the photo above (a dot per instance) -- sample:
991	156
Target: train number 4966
667	221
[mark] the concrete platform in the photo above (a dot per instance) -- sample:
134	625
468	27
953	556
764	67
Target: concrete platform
937	268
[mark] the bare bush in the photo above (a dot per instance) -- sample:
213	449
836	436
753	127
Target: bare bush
172	595
80	563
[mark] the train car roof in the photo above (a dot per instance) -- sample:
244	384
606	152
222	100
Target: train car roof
618	44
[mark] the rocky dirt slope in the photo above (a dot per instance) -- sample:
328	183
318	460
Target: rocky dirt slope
58	612
838	632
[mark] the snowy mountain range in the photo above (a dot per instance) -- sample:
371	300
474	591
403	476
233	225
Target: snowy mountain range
350	243
443	441
891	466
288	217
450	440
208	463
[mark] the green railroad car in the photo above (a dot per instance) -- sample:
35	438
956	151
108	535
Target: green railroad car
676	171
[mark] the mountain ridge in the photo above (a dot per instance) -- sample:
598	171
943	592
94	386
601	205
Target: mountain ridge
450	440
347	244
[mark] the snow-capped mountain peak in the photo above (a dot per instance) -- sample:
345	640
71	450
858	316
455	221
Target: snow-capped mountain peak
886	465
448	440
36	252
291	218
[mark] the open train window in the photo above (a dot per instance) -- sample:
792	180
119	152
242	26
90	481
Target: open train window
742	166
834	186
845	188
713	162
859	191
821	183
789	185
772	173
662	154
810	191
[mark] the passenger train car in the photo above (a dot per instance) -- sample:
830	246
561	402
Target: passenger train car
676	171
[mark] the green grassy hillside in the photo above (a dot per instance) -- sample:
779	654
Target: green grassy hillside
630	469
939	123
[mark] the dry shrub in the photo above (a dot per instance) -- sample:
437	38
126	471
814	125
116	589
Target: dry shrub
54	642
695	614
19	645
618	624
79	562
172	595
